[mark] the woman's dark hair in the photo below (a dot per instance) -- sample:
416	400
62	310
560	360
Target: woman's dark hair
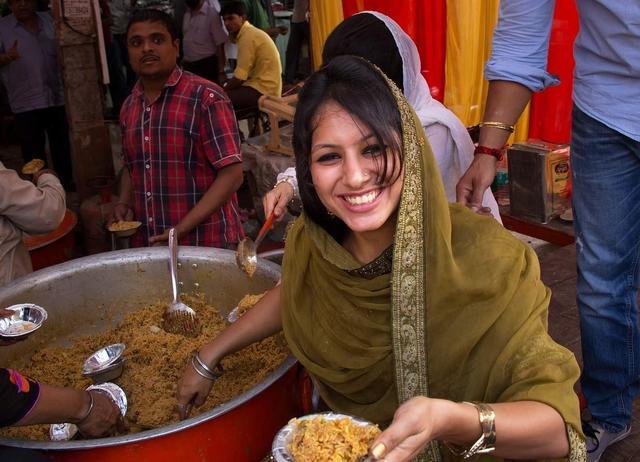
151	15
366	36
233	8
361	90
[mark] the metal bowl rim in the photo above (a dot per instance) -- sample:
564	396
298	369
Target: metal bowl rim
37	326
87	372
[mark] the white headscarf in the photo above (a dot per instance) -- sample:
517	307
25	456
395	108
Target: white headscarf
453	158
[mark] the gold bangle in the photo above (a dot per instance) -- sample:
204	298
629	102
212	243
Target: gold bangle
486	443
498	125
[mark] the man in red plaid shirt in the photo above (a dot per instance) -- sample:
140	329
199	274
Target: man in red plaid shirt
180	146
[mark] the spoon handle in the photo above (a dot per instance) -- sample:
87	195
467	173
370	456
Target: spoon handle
173	263
265	228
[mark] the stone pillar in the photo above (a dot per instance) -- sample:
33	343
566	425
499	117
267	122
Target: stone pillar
83	88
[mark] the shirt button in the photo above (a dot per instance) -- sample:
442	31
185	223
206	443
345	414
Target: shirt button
210	95
147	166
150	218
146	138
148	109
148	193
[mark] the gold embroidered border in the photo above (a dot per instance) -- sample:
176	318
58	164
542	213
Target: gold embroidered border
408	280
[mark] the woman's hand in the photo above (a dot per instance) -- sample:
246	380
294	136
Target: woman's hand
193	390
104	418
414	425
4	313
277	199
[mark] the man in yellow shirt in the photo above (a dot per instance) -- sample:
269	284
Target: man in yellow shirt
258	70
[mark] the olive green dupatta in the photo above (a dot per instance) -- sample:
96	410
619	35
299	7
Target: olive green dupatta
461	316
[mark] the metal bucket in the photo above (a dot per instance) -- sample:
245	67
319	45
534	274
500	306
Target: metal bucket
97	291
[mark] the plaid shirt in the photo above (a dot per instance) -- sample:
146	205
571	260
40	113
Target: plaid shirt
173	148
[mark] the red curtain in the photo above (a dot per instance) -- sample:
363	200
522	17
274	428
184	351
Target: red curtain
550	118
425	22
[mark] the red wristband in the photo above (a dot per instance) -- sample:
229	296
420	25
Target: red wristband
495	152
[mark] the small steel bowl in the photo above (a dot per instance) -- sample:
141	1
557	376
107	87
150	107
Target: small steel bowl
26	319
106	364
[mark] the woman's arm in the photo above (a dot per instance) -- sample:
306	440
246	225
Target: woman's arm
524	429
96	415
259	322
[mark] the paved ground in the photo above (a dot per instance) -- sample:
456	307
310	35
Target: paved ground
558	272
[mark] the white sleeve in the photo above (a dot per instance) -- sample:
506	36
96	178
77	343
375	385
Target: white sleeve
289	175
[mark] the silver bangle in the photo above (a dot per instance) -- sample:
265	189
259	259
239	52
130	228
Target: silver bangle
91	404
205	371
289	181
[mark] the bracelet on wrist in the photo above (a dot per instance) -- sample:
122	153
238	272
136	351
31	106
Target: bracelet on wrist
88	413
486	443
290	182
205	371
498	153
498	125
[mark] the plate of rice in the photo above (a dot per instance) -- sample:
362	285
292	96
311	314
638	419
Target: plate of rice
324	437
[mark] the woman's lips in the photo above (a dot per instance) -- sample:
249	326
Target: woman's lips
362	202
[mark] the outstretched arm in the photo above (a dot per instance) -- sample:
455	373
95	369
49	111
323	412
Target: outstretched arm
524	429
258	323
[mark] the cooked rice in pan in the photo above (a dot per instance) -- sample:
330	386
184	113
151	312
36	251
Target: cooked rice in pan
154	362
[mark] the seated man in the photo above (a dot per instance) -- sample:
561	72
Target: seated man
180	145
36	207
258	71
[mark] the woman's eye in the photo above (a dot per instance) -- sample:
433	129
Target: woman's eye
374	150
328	157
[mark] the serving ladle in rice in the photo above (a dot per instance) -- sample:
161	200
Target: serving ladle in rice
178	318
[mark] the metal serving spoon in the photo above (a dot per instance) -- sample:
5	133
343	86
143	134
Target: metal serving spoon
178	317
247	253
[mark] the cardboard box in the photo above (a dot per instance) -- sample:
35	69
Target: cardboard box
539	180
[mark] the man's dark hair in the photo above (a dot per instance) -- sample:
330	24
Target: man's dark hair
233	8
349	81
151	15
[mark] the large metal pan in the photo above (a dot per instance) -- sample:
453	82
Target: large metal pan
97	291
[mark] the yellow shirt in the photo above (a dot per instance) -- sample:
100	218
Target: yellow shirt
258	61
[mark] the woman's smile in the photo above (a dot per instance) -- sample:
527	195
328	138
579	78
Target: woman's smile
362	202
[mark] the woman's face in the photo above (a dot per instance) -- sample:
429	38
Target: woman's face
345	162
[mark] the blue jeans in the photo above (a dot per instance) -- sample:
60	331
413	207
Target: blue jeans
606	205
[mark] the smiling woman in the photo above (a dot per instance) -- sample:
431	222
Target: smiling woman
407	311
350	162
